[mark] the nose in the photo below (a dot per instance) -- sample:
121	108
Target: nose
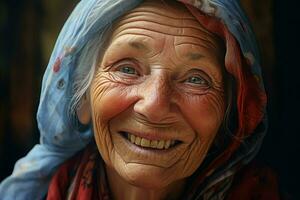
155	99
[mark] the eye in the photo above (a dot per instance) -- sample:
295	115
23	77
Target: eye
197	80
127	69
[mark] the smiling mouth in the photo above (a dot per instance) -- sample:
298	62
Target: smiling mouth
146	143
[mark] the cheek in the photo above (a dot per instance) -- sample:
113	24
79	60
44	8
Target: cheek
205	113
108	99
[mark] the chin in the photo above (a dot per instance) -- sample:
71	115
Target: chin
146	176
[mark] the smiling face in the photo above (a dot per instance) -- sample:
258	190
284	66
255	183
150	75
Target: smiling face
157	98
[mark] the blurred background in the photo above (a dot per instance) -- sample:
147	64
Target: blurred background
29	28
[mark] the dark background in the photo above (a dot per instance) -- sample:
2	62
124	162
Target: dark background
28	32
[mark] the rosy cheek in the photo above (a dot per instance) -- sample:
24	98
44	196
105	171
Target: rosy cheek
107	100
205	114
112	101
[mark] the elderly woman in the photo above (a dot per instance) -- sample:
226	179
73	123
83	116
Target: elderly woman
172	94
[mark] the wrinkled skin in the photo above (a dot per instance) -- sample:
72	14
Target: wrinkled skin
160	77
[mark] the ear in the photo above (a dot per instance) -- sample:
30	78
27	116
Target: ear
83	111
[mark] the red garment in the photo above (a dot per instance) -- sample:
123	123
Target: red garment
83	177
77	179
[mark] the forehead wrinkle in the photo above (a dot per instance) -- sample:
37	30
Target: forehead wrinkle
145	12
150	18
200	41
141	30
152	24
180	23
208	45
133	33
214	43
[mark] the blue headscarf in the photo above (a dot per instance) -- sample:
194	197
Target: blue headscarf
59	140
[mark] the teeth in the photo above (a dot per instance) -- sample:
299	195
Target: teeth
132	138
161	144
145	142
167	144
155	144
137	140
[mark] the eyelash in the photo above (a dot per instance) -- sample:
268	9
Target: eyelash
125	67
200	80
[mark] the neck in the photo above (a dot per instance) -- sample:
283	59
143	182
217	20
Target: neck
120	189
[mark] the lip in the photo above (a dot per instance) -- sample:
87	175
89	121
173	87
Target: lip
147	148
146	143
132	153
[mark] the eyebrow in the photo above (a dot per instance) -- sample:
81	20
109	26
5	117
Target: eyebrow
194	56
138	46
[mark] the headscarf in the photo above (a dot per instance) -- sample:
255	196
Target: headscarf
58	138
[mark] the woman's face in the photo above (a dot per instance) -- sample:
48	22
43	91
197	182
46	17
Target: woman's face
157	98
